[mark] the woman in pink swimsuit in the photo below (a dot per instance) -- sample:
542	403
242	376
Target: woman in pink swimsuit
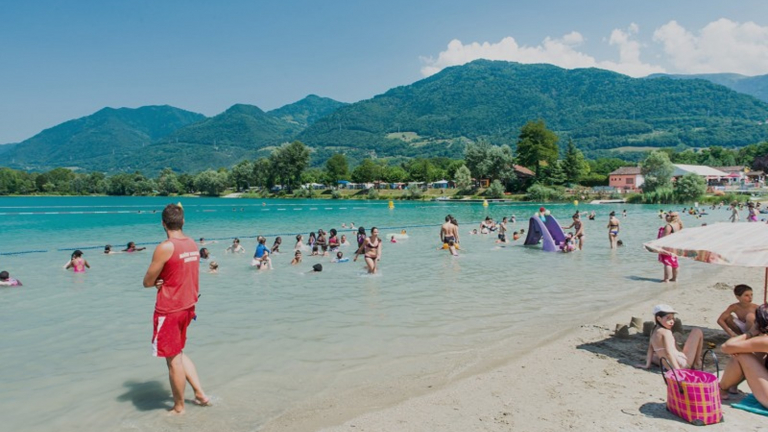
77	263
670	261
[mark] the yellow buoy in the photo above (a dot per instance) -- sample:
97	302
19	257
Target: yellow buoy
485	203
391	205
576	202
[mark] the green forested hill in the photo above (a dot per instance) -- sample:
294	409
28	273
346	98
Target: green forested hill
756	86
307	111
436	116
99	140
493	99
245	126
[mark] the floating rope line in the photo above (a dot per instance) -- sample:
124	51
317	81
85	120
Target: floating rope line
344	230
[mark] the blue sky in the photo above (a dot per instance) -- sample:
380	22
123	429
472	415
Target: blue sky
62	60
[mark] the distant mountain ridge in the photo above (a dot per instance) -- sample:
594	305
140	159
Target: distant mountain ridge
756	86
100	139
491	100
482	100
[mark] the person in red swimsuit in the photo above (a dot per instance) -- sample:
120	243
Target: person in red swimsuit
174	271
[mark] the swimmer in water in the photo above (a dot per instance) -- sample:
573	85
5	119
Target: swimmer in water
276	246
317	268
131	247
299	239
108	250
235	247
77	263
449	235
213	267
392	240
296	257
7	280
340	258
344	241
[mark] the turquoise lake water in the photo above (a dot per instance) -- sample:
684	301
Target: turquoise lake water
76	352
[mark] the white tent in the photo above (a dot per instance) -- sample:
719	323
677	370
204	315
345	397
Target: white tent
701	170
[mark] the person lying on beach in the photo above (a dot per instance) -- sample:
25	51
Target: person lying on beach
296	257
77	263
740	316
7	280
131	247
235	247
747	362
662	343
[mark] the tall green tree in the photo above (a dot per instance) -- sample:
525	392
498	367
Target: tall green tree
574	165
168	182
368	171
690	187
537	146
337	168
657	170
463	178
486	161
263	176
210	182
241	175
288	162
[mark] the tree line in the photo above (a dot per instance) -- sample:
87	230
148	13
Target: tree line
537	148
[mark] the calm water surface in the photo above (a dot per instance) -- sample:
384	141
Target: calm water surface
76	352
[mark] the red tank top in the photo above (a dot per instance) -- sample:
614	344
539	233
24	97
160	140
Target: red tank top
180	277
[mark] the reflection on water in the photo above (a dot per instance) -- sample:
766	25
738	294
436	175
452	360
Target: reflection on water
270	341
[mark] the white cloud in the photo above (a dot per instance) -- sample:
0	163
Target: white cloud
721	46
562	52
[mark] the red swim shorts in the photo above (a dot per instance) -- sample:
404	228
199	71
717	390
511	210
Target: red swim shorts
170	332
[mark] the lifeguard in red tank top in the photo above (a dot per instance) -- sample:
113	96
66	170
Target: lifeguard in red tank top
180	277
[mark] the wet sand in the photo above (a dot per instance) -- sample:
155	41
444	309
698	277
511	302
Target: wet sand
582	380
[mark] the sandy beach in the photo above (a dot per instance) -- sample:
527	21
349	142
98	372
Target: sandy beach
581	380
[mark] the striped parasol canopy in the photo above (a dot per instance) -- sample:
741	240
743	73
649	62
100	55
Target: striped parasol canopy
736	244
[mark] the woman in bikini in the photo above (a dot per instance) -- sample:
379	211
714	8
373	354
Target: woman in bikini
613	230
748	353
372	251
670	261
579	227
662	342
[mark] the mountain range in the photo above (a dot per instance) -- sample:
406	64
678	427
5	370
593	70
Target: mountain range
482	100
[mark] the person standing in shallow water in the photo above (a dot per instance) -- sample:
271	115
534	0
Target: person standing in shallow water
670	261
613	230
174	272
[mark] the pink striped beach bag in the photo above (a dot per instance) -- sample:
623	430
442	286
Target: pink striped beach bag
693	395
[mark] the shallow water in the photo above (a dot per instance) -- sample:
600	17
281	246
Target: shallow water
76	348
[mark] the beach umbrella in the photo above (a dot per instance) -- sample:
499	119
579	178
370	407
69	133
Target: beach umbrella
734	244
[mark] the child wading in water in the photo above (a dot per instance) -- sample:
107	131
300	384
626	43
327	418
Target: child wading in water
739	317
662	343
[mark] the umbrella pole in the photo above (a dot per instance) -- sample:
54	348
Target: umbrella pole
765	287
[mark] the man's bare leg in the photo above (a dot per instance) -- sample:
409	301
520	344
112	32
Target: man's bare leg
191	375
178	381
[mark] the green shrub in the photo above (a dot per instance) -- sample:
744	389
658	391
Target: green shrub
541	193
414	194
372	194
335	194
496	190
662	195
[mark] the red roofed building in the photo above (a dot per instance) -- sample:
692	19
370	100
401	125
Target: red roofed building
626	178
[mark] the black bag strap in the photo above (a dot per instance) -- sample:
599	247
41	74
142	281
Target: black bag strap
674	374
714	357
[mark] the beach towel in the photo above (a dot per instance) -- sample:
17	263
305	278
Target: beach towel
751	404
692	395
